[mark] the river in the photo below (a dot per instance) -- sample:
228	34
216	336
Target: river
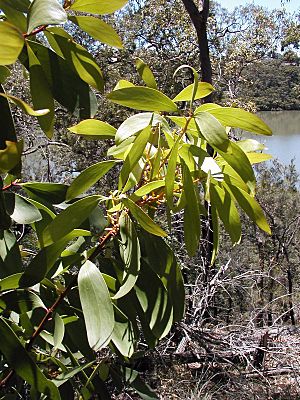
285	142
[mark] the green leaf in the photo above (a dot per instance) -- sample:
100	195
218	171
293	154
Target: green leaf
216	231
96	306
134	155
20	210
251	207
12	42
160	257
20	5
10	156
41	94
130	253
22	301
135	124
87	178
4	73
249	145
239	161
10	282
94	129
69	219
45	12
10	257
59	331
170	175
238	118
65	84
142	98
203	90
24	106
98	29
98	7
19	360
143	219
212	131
256	158
155	303
145	73
227	211
123	336
79	59
146	189
53	193
191	212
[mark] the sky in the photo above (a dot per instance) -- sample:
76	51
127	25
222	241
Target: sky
291	6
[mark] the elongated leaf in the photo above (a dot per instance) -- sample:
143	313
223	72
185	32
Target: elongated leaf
191	213
59	331
130	253
146	189
22	301
24	106
134	155
212	131
170	175
134	380
96	306
98	7
239	161
12	42
238	118
227	211
19	360
41	94
98	29
20	210
10	257
53	193
20	5
155	303
143	219
256	158
135	124
251	207
216	231
45	12
65	84
69	219
77	57
145	73
94	129
203	90
249	145
142	98
88	178
160	257
123	337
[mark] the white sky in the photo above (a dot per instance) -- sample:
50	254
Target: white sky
292	5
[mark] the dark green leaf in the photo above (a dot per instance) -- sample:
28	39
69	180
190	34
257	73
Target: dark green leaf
22	301
53	193
19	360
69	219
96	306
20	210
87	178
4	73
143	219
130	253
10	257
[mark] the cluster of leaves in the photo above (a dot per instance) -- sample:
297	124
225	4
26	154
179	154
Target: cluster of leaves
100	273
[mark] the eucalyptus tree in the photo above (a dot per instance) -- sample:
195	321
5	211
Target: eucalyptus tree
97	284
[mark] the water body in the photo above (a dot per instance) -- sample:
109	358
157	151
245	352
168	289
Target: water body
285	142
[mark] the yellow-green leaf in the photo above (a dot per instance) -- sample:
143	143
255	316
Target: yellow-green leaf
145	73
203	90
45	12
98	7
12	42
24	106
94	129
